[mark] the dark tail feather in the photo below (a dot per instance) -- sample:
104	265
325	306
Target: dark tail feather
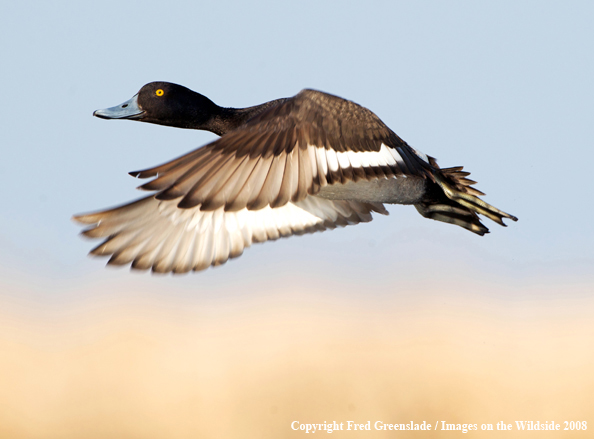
451	200
448	212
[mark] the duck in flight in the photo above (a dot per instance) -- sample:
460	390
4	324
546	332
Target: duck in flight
286	167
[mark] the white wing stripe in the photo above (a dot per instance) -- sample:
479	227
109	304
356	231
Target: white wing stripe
322	163
343	160
353	157
386	156
332	159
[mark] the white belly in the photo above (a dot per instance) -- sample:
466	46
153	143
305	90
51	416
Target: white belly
409	190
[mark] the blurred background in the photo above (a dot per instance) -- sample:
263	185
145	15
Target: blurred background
402	319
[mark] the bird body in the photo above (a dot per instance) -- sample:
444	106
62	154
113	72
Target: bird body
290	166
402	190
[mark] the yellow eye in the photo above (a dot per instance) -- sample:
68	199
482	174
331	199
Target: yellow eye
159	92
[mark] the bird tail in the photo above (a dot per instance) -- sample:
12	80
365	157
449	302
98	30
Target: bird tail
450	199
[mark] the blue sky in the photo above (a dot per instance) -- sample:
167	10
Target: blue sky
503	88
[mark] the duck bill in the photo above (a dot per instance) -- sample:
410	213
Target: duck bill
128	110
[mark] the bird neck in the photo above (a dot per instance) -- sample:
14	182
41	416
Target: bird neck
229	119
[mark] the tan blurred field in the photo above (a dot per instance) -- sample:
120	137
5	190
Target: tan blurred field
134	365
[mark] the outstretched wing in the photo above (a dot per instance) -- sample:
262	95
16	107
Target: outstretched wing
156	234
285	154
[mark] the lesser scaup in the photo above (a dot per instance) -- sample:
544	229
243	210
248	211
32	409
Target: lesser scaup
287	167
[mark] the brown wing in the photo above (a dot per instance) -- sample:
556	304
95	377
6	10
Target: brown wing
287	152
